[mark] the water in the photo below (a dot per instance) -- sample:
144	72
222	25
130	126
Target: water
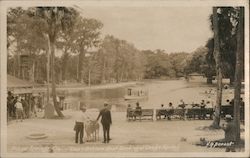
159	92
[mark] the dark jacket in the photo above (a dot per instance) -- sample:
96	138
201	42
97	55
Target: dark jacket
106	116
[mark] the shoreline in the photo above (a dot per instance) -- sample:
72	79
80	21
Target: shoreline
86	87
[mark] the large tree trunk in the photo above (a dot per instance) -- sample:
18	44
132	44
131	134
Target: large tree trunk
238	74
80	65
47	70
56	104
217	56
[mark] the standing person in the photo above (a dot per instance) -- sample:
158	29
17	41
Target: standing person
79	125
229	129
106	122
10	103
19	109
25	107
129	110
32	105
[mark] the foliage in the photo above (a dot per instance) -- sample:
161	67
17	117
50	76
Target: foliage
227	22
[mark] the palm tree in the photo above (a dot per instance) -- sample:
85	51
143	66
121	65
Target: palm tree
217	56
50	21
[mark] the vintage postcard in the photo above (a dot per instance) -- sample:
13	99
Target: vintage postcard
113	78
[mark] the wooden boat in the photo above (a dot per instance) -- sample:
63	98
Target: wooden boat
136	94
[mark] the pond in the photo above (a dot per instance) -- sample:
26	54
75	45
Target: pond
159	92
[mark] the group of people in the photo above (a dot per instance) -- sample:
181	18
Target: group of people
82	118
136	112
20	107
165	112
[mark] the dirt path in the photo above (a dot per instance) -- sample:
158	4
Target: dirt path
157	136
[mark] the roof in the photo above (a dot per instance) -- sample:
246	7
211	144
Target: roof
13	82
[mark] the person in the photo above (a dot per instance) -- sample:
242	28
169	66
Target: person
229	129
32	105
171	110
79	125
25	107
19	109
10	105
163	111
203	111
106	122
137	110
129	109
182	104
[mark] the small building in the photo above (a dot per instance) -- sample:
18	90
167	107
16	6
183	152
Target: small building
196	77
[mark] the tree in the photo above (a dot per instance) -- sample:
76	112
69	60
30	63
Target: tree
86	35
217	57
227	20
197	61
65	44
238	72
52	20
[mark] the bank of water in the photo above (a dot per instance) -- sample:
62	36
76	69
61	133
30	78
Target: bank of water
159	92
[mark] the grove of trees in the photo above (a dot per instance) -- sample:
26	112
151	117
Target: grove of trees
77	52
58	45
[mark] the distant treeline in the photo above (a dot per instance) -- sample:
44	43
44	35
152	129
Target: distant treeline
81	55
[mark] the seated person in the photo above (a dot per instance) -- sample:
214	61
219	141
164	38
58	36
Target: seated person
182	104
137	110
162	111
170	105
170	111
203	111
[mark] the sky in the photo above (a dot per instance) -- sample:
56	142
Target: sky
173	29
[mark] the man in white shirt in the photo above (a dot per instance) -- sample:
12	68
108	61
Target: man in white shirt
79	125
19	109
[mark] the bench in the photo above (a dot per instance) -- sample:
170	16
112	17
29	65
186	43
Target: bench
189	113
198	113
170	113
143	114
179	113
163	112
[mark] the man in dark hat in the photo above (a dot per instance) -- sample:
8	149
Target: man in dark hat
106	122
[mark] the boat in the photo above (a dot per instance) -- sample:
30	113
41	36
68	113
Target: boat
136	93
